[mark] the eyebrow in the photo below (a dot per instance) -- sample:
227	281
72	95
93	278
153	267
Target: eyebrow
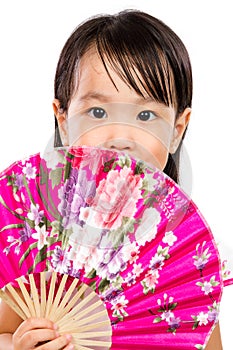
93	95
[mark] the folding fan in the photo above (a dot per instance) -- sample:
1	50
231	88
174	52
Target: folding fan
109	248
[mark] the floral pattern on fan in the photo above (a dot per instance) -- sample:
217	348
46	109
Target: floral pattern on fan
117	224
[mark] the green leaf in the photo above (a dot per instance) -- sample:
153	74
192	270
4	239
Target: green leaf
56	177
8	227
195	325
27	252
173	306
91	274
103	285
42	255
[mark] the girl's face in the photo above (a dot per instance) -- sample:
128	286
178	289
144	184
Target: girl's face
116	117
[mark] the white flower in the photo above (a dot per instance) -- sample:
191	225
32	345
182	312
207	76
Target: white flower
29	171
130	252
207	287
53	159
169	238
41	235
202	318
167	315
137	269
147	229
149	182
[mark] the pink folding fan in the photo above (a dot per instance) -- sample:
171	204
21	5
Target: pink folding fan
109	248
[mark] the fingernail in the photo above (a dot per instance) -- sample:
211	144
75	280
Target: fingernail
68	337
55	327
71	347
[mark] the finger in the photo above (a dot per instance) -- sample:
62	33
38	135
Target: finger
34	323
63	342
35	336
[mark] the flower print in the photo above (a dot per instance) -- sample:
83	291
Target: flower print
41	235
167	315
166	310
169	238
207	287
130	252
137	269
83	255
19	181
224	270
53	158
60	261
85	235
130	279
213	312
201	259
174	324
150	281
25	233
202	318
29	171
112	263
118	305
76	193
147	229
149	182
34	214
157	261
116	198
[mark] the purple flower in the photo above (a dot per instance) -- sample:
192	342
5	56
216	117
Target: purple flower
77	192
111	294
213	315
174	323
19	180
200	263
59	260
25	233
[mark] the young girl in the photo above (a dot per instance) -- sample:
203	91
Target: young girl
123	82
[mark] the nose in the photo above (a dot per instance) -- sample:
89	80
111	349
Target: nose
121	144
119	137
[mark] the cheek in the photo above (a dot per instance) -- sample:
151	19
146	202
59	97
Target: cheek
156	152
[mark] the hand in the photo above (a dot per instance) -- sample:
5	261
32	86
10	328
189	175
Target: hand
40	334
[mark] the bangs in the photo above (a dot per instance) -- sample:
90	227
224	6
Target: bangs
139	61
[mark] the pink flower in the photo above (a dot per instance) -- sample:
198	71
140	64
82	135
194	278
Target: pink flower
116	198
151	279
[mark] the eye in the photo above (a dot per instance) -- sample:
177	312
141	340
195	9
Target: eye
146	115
97	112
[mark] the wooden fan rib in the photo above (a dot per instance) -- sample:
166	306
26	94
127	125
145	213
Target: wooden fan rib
27	297
93	334
64	325
58	296
62	309
35	295
88	310
90	327
51	294
89	342
42	294
73	312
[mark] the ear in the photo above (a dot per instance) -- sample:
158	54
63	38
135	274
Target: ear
180	126
62	122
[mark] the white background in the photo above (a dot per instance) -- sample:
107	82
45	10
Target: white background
32	34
